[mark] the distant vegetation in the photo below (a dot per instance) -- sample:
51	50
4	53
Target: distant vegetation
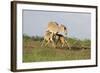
34	38
72	41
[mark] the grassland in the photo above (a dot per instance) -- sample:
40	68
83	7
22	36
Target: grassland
33	52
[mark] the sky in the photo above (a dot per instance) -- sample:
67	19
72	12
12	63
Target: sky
78	23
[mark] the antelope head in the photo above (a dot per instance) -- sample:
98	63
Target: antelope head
63	29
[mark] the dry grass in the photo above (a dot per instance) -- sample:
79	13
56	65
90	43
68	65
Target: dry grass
33	52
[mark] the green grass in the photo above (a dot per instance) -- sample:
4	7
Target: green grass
33	52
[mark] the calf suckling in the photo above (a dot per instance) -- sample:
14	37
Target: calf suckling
52	35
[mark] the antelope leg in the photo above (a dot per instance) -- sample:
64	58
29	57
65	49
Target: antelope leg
43	43
53	43
67	44
47	43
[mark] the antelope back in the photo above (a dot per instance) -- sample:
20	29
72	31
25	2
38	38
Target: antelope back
53	27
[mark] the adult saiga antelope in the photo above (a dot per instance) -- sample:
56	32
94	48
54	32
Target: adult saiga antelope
55	28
